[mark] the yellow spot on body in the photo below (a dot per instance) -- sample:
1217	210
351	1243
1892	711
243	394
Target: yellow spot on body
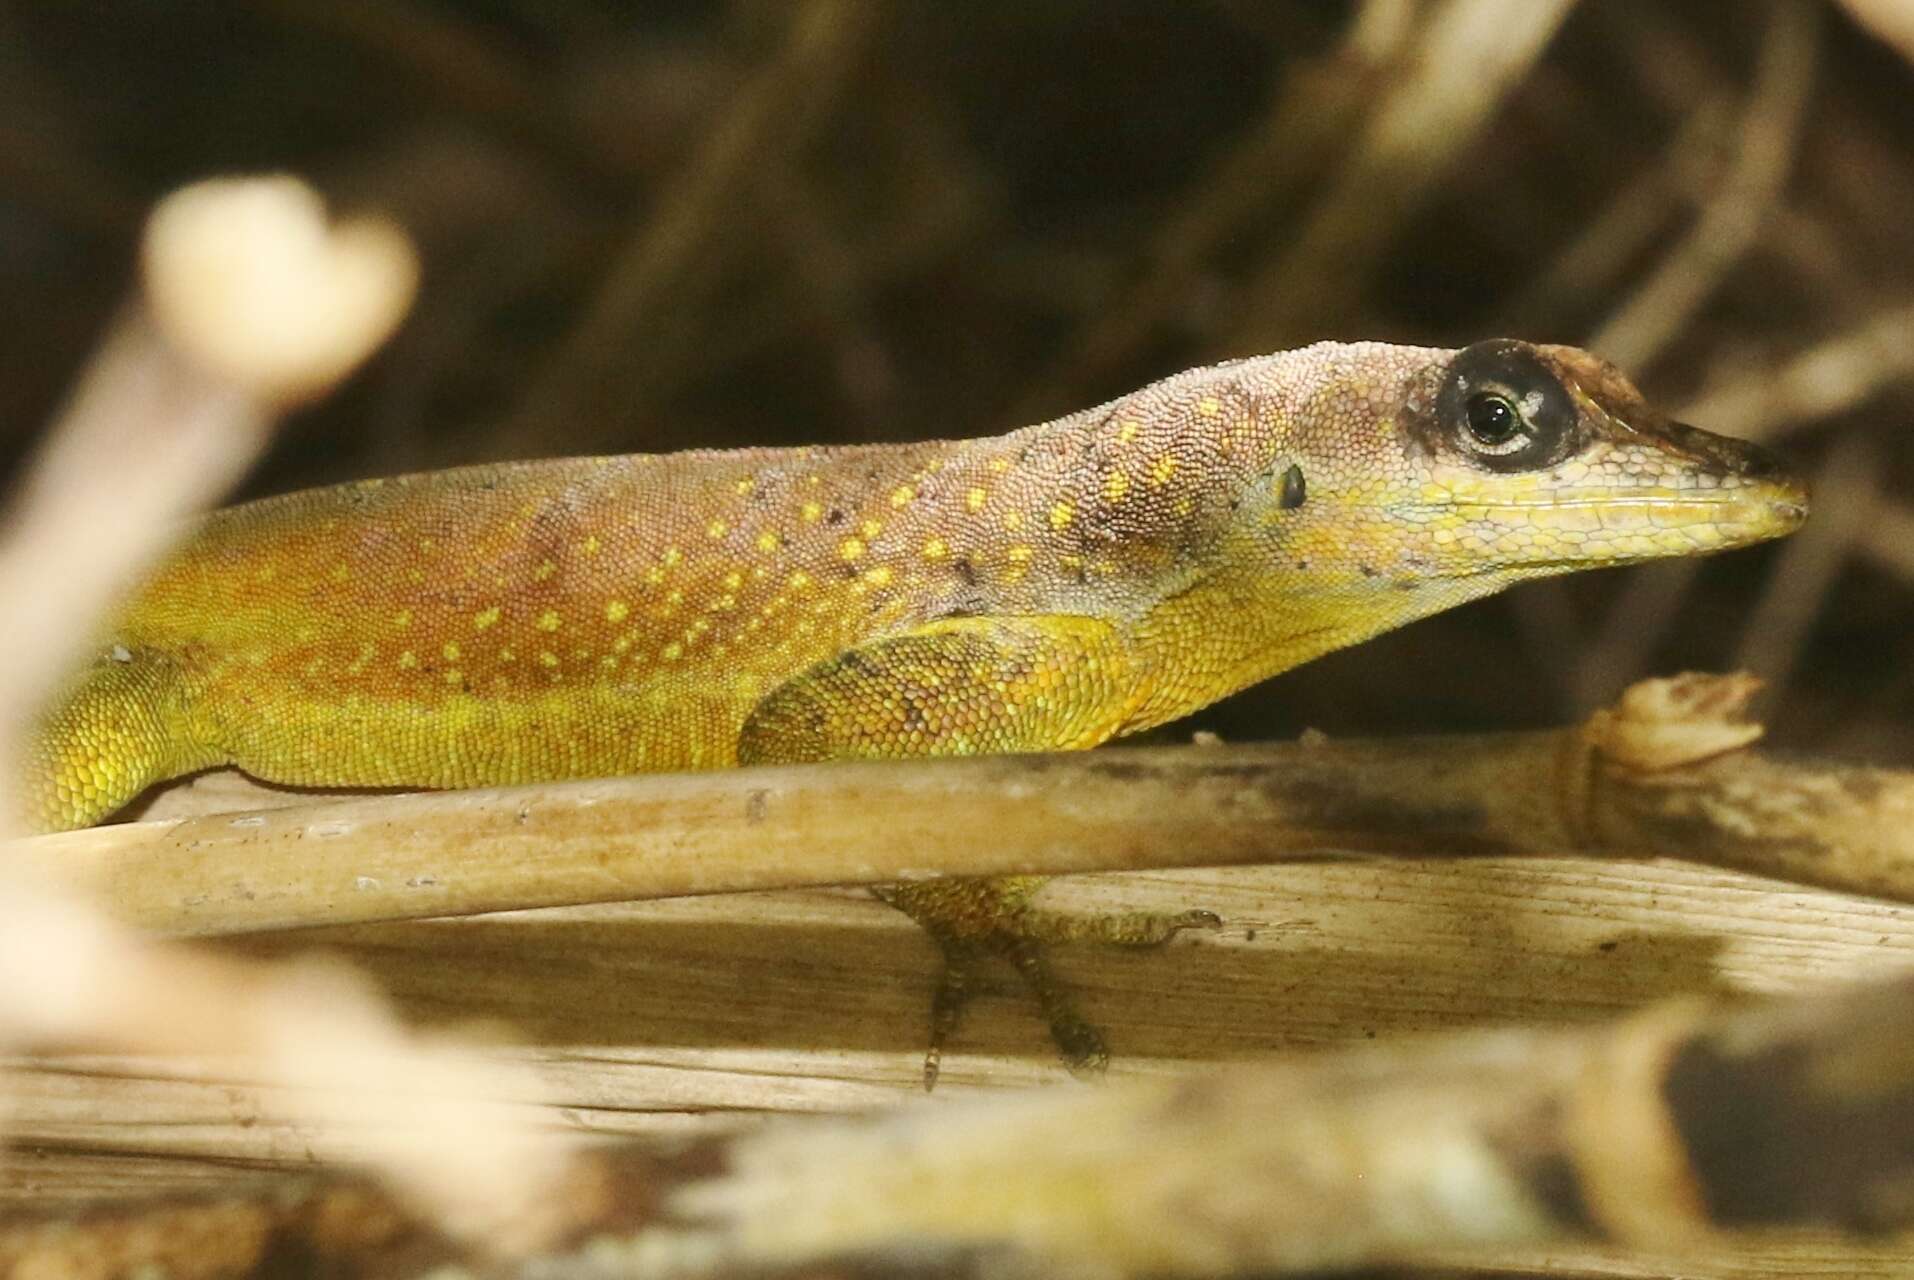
871	529
672	652
589	546
733	580
548	620
1209	406
716	529
545	570
408	660
621	645
810	511
1000	465
1161	470
673	556
767	541
850	548
974	499
546	658
901	496
1013	521
724	602
428	545
340	573
744	486
451	651
1115	485
799	580
1017	554
507	655
485	618
654	576
936	549
455	678
878	577
1127	429
1061	514
616	610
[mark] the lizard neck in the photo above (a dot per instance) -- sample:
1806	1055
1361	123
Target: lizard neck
1232	629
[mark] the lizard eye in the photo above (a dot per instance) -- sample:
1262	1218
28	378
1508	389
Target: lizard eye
1492	419
1505	409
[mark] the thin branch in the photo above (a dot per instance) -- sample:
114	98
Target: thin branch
1472	54
1835	375
1732	219
395	857
1310	116
596	376
1847	491
1891	20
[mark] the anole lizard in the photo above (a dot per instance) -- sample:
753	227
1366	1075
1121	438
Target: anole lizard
1050	588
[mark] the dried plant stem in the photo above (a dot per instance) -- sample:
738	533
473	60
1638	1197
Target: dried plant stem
1470	55
410	856
1660	1131
1307	120
1731	220
251	302
596	376
1684	1129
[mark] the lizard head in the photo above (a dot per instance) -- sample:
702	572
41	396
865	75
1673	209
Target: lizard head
1508	460
1543	458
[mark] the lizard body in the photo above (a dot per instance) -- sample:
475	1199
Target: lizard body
1049	588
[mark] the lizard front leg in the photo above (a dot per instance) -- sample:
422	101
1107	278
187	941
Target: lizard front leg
974	686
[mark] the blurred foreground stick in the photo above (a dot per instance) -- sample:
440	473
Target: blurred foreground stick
251	301
1665	774
1683	1130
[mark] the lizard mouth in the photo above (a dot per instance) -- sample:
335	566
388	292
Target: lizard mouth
1781	502
1615	526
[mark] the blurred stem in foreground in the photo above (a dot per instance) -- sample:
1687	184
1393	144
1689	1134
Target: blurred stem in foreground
251	303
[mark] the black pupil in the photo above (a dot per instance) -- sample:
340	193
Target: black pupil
1492	420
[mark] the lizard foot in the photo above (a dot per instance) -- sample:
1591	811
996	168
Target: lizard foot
975	921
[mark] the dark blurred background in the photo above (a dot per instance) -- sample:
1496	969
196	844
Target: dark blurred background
665	224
